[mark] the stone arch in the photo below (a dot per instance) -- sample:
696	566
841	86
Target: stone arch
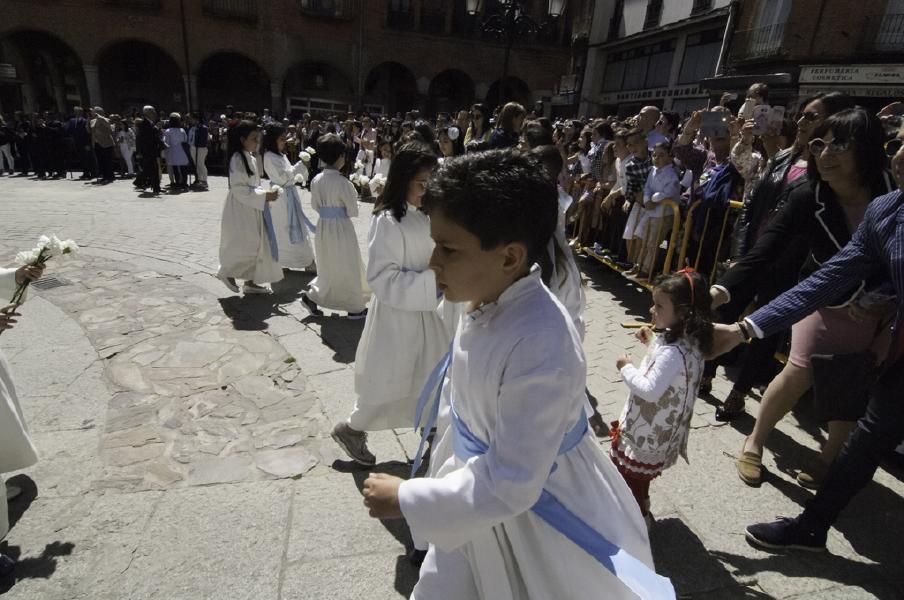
49	74
134	73
450	91
393	86
317	87
229	78
516	90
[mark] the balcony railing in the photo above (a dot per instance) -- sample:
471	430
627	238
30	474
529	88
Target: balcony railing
890	37
328	9
243	10
761	42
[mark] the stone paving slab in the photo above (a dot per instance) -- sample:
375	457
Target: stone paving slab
184	433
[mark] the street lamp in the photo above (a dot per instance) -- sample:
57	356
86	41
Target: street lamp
509	21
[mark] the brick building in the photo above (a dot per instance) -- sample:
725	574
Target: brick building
805	46
288	55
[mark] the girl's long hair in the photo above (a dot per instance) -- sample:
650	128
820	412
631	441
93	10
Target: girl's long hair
234	142
689	293
409	160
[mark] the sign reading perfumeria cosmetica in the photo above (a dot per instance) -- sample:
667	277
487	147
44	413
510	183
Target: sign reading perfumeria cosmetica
852	74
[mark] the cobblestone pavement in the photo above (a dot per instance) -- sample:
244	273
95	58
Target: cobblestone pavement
184	438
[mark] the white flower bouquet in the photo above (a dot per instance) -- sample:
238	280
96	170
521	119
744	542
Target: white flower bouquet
305	156
377	183
359	180
47	248
310	151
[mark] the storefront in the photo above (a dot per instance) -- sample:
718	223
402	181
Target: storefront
873	86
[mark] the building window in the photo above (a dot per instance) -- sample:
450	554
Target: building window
890	37
400	15
639	68
700	56
654	14
767	37
329	9
701	6
245	10
433	16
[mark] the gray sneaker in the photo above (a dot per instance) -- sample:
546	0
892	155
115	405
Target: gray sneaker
354	443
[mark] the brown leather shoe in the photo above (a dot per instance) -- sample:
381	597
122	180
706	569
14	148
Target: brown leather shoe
750	467
813	476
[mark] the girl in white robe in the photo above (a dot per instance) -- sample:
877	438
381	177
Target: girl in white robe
341	283
248	249
515	391
289	220
16	448
404	336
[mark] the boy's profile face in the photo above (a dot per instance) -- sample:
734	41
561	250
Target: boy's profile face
661	157
464	271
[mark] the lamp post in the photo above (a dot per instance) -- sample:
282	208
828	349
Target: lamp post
509	21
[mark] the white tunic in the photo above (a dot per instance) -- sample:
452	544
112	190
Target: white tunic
244	245
404	336
517	380
565	283
16	448
340	283
282	174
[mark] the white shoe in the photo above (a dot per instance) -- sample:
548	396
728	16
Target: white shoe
255	289
229	282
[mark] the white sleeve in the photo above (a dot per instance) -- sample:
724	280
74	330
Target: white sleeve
276	170
652	384
393	285
242	187
7	285
349	198
300	168
532	419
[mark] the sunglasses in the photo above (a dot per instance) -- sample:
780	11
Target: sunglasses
810	116
893	146
818	146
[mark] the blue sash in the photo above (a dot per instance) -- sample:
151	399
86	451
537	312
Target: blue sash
271	233
298	221
332	212
637	576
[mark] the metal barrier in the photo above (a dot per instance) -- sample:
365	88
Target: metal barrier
681	235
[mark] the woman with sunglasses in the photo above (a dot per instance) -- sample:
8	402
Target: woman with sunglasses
783	173
846	169
479	131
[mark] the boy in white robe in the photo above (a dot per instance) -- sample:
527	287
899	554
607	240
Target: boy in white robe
341	283
517	443
16	448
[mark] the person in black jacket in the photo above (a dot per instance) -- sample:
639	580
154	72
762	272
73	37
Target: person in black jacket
508	133
846	170
785	172
78	130
148	146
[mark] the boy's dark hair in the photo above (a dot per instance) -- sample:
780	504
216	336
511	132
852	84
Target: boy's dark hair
271	134
689	292
760	89
551	158
604	130
330	148
234	142
536	135
500	196
409	160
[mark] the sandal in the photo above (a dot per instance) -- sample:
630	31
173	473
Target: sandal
750	467
732	407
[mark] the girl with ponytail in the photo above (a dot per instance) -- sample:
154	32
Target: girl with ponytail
653	428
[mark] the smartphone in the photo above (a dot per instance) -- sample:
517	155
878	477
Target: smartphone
761	119
746	112
714	124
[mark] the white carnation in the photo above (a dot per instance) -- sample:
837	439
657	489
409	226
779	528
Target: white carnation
305	156
26	257
70	247
310	151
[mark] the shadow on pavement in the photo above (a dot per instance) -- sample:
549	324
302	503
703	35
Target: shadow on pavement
627	294
40	567
250	313
828	567
406	575
340	334
675	547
